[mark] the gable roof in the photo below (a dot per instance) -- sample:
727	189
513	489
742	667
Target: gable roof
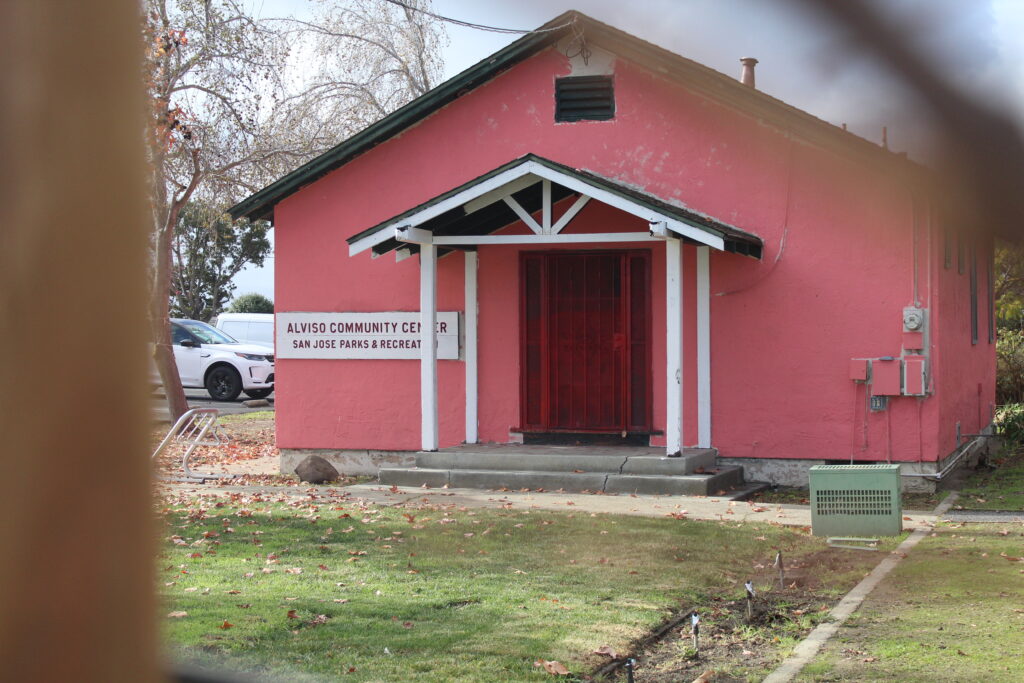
688	73
449	215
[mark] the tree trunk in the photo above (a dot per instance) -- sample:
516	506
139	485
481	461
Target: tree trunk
159	320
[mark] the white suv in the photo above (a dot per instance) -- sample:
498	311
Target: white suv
207	357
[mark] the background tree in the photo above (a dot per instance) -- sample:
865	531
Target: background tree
208	250
251	303
236	101
1009	285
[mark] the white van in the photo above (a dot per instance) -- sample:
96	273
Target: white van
249	328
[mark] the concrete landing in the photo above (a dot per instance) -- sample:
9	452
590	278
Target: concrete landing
605	469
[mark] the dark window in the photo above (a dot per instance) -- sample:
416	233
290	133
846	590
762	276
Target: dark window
974	293
947	242
584	98
992	294
179	334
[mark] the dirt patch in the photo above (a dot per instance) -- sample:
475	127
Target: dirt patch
735	647
745	646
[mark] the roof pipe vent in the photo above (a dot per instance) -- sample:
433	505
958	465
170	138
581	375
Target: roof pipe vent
747	75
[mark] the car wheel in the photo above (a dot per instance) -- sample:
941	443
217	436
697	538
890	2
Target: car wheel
224	383
259	393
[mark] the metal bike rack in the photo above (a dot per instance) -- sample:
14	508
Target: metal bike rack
197	427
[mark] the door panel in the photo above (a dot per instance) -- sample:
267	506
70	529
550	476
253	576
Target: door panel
585	356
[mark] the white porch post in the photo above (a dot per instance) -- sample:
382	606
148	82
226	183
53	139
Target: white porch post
470	348
703	348
428	346
673	346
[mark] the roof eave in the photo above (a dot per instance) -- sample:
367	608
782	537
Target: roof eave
261	204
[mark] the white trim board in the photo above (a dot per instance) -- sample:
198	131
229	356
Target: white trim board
500	180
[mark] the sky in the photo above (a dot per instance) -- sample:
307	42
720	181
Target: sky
977	44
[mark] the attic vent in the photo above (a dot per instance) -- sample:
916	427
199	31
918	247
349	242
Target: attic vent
584	98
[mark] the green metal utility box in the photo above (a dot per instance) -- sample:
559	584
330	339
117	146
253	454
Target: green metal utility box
856	500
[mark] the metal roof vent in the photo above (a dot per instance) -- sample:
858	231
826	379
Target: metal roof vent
747	76
584	98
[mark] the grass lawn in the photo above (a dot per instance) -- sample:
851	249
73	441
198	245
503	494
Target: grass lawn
951	611
999	488
328	587
253	416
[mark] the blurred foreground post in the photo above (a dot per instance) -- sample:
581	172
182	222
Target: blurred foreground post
76	565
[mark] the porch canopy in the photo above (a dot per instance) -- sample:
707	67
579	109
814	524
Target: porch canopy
467	216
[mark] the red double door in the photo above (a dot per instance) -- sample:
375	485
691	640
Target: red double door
585	322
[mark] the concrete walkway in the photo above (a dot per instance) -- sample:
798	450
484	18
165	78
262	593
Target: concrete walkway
693	507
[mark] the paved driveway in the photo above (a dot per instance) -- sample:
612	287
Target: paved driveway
198	398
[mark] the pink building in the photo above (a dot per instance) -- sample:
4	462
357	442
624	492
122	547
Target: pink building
588	239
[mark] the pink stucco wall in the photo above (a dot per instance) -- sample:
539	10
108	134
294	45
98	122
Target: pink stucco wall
836	273
965	373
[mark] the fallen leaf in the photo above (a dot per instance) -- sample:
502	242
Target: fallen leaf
176	615
607	651
553	668
293	614
407	624
704	677
226	625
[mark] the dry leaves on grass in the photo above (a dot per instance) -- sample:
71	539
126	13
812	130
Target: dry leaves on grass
177	615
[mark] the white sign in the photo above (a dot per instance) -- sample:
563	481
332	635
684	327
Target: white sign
394	334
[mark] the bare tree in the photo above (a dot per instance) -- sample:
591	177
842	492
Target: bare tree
237	100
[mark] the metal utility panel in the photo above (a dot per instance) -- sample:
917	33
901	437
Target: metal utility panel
914	381
885	376
856	500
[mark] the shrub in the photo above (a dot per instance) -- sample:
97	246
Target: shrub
1010	367
1010	422
251	303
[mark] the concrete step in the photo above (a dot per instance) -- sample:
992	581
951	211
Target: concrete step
718	479
577	460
